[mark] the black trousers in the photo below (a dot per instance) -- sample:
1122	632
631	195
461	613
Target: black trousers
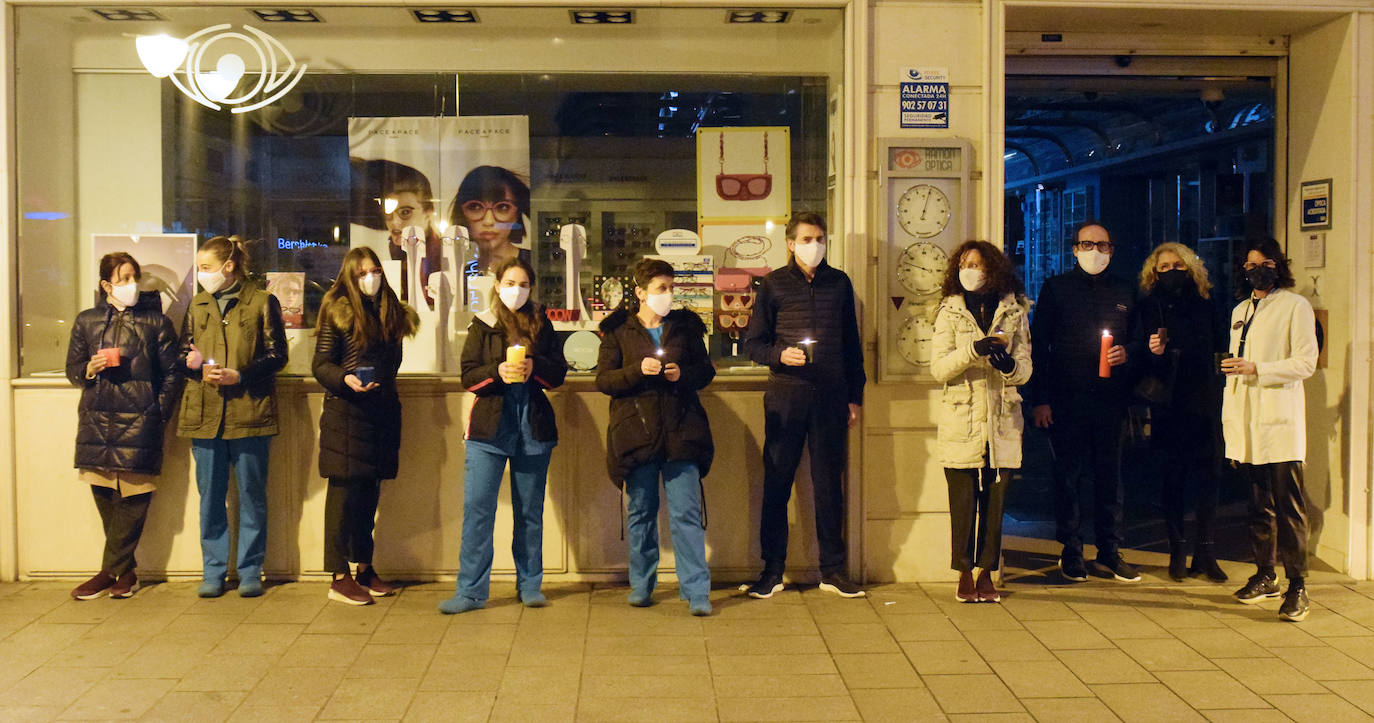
123	519
1086	438
350	508
976	498
1278	515
797	415
1185	446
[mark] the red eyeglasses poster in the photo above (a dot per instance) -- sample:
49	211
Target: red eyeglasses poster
743	173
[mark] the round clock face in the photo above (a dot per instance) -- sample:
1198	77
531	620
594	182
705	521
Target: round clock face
581	349
612	292
915	338
921	268
923	210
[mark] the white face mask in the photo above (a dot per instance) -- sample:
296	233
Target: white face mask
810	254
972	279
514	297
370	284
125	295
1093	261
212	281
660	304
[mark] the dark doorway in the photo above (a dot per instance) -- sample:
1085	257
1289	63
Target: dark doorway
1155	159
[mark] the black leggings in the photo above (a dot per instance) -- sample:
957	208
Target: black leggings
123	519
350	507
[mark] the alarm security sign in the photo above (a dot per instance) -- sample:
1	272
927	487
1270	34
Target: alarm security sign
925	97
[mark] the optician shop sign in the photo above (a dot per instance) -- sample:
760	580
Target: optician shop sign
924	98
1316	205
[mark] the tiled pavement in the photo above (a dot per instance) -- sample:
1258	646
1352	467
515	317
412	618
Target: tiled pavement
1097	651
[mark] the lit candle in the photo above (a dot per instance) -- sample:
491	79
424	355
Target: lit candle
806	345
1104	368
515	355
658	353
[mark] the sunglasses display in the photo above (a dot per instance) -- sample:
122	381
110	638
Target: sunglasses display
744	186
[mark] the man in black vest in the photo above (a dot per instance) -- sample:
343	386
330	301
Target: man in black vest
805	329
1084	412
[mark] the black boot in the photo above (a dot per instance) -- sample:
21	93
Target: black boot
1178	561
1205	563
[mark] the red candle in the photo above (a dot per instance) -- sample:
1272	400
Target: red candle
1104	369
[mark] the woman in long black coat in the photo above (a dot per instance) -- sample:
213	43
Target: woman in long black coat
357	355
1185	410
123	355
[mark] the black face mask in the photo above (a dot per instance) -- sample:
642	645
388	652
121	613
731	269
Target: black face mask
1175	281
1262	278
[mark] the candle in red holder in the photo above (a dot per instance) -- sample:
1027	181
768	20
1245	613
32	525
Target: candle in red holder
1104	368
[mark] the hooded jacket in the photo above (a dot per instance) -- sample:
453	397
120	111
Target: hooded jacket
653	419
980	407
360	432
483	353
124	409
248	337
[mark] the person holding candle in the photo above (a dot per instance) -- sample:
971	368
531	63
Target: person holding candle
510	358
1080	395
357	354
233	343
1263	416
1181	332
813	398
652	363
122	355
981	353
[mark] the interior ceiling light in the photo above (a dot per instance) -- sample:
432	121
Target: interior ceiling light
757	16
445	16
602	17
286	16
122	14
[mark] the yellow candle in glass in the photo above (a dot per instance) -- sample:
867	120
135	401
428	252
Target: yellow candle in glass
515	354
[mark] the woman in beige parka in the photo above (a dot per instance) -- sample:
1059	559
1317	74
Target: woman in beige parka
981	354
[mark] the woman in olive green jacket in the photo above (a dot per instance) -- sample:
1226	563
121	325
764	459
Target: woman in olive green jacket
233	343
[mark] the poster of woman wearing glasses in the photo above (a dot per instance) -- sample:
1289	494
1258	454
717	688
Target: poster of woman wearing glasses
452	192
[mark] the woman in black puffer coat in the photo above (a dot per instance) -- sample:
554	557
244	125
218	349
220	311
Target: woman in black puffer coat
357	355
123	355
652	364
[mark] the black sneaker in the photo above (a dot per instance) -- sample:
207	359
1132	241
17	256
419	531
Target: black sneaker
1295	604
1115	567
768	583
1259	587
1072	567
837	583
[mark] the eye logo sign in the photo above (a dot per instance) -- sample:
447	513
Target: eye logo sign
184	62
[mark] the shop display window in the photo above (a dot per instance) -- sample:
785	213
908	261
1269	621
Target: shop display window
370	126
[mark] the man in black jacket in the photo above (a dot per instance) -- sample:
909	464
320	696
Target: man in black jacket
1084	412
805	328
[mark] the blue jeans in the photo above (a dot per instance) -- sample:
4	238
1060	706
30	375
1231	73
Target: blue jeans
248	457
682	482
481	483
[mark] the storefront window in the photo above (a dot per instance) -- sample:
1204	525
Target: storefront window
443	146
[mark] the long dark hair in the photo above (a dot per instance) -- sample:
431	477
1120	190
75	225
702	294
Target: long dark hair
525	324
1001	278
1269	248
490	184
392	321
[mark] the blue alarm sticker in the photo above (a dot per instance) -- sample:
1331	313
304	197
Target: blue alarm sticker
924	98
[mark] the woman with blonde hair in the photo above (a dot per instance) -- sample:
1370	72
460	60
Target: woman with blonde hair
1180	328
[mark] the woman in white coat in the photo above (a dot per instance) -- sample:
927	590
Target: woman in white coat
1263	419
981	354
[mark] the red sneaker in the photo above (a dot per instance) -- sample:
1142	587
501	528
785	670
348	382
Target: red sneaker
125	586
94	587
368	578
346	590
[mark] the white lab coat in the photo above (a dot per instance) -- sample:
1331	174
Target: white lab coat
1263	416
980	407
